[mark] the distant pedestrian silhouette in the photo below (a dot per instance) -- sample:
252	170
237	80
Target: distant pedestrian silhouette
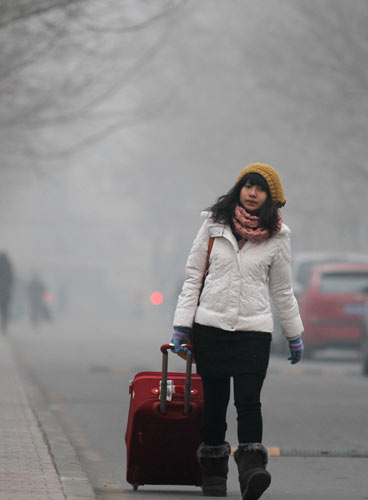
38	310
6	288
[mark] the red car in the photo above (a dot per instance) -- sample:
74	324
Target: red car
332	306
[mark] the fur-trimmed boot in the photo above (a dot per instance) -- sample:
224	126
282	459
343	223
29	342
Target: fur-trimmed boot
254	479
214	464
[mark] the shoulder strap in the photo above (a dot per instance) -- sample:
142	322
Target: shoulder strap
210	245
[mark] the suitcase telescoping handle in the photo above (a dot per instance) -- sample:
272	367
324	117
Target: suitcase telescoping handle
188	378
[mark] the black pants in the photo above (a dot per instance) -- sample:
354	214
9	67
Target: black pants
247	391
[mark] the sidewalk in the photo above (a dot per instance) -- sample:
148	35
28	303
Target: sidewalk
36	459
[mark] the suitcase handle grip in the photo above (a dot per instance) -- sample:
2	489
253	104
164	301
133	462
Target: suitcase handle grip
166	347
188	379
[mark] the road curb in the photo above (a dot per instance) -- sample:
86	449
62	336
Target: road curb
321	453
276	451
74	480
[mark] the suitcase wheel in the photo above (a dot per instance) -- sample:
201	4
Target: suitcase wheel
135	486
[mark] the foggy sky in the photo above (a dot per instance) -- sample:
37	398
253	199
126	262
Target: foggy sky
215	86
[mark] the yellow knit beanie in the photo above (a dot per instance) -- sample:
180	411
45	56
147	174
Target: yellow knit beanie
272	178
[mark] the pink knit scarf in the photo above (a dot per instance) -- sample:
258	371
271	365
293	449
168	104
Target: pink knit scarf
247	226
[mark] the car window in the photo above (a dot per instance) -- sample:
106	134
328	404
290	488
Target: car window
305	270
344	283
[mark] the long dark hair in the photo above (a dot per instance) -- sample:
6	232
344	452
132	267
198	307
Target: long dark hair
223	209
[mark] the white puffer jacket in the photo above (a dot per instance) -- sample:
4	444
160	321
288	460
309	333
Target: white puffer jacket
236	290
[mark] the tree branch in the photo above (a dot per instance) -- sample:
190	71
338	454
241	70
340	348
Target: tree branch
37	11
134	27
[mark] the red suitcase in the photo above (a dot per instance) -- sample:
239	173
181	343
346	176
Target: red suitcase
163	429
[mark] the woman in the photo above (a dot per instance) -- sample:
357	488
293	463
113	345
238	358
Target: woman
231	325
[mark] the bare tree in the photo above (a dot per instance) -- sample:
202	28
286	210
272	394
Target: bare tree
336	69
317	52
68	71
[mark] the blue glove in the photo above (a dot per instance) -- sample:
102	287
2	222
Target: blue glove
181	336
296	350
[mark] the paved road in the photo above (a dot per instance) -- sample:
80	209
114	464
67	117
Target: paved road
315	408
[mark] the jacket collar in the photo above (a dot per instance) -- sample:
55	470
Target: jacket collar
216	229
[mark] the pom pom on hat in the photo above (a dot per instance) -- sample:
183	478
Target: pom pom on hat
272	178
